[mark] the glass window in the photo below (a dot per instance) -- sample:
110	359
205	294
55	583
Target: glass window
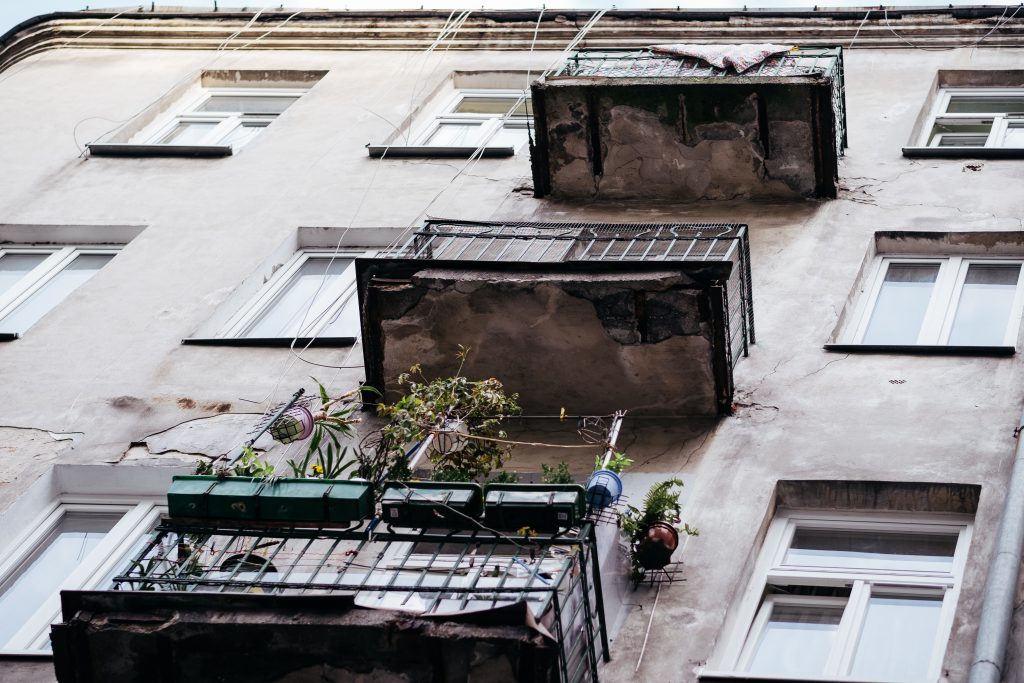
853	549
952	301
55	290
859	598
977	117
189	132
76	535
986	302
32	284
226	116
246	104
315	290
796	641
304	296
13	267
901	303
497	118
456	134
897	638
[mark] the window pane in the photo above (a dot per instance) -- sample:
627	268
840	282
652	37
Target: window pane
13	267
976	104
986	301
57	557
83	267
494	105
281	318
456	135
246	104
188	132
346	322
901	304
960	133
897	639
871	550
241	135
509	136
1014	136
796	641
953	140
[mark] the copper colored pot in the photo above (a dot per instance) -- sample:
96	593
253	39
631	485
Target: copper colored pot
659	542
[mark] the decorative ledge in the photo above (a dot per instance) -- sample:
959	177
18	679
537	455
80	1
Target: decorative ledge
923	350
124	149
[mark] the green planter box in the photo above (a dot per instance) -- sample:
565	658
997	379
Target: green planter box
294	500
542	507
187	495
423	505
349	501
234	498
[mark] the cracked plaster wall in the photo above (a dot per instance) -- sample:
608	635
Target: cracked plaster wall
582	336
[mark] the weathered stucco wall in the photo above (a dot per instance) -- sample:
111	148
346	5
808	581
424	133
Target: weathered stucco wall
592	342
108	363
682	142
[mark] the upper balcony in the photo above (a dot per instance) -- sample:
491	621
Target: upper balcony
590	317
631	124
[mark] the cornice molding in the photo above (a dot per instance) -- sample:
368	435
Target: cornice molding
928	28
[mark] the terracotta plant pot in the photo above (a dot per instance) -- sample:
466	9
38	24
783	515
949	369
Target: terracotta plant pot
655	550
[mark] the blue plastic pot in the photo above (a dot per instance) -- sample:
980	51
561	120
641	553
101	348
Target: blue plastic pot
603	489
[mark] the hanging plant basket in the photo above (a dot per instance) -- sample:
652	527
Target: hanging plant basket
295	425
603	489
654	551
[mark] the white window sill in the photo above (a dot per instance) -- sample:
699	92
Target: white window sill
388	151
965	152
273	342
923	349
124	149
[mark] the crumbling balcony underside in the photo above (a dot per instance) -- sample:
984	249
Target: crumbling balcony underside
592	317
636	125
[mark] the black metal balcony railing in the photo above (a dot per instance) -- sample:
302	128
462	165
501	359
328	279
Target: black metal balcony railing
604	242
821	63
427	572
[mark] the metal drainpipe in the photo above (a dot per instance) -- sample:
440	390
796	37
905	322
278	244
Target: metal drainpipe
1001	586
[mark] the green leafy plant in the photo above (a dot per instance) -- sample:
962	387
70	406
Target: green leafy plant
661	505
504	477
325	457
250	465
617	463
431	406
559	474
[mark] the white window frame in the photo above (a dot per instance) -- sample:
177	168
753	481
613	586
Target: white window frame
139	516
490	123
337	294
35	279
770	569
1000	122
945	298
226	122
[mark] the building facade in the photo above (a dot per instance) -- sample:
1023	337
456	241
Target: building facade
185	197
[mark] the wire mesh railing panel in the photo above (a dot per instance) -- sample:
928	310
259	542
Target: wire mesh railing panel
554	242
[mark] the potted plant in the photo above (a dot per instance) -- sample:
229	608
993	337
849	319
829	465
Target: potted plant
653	532
605	486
